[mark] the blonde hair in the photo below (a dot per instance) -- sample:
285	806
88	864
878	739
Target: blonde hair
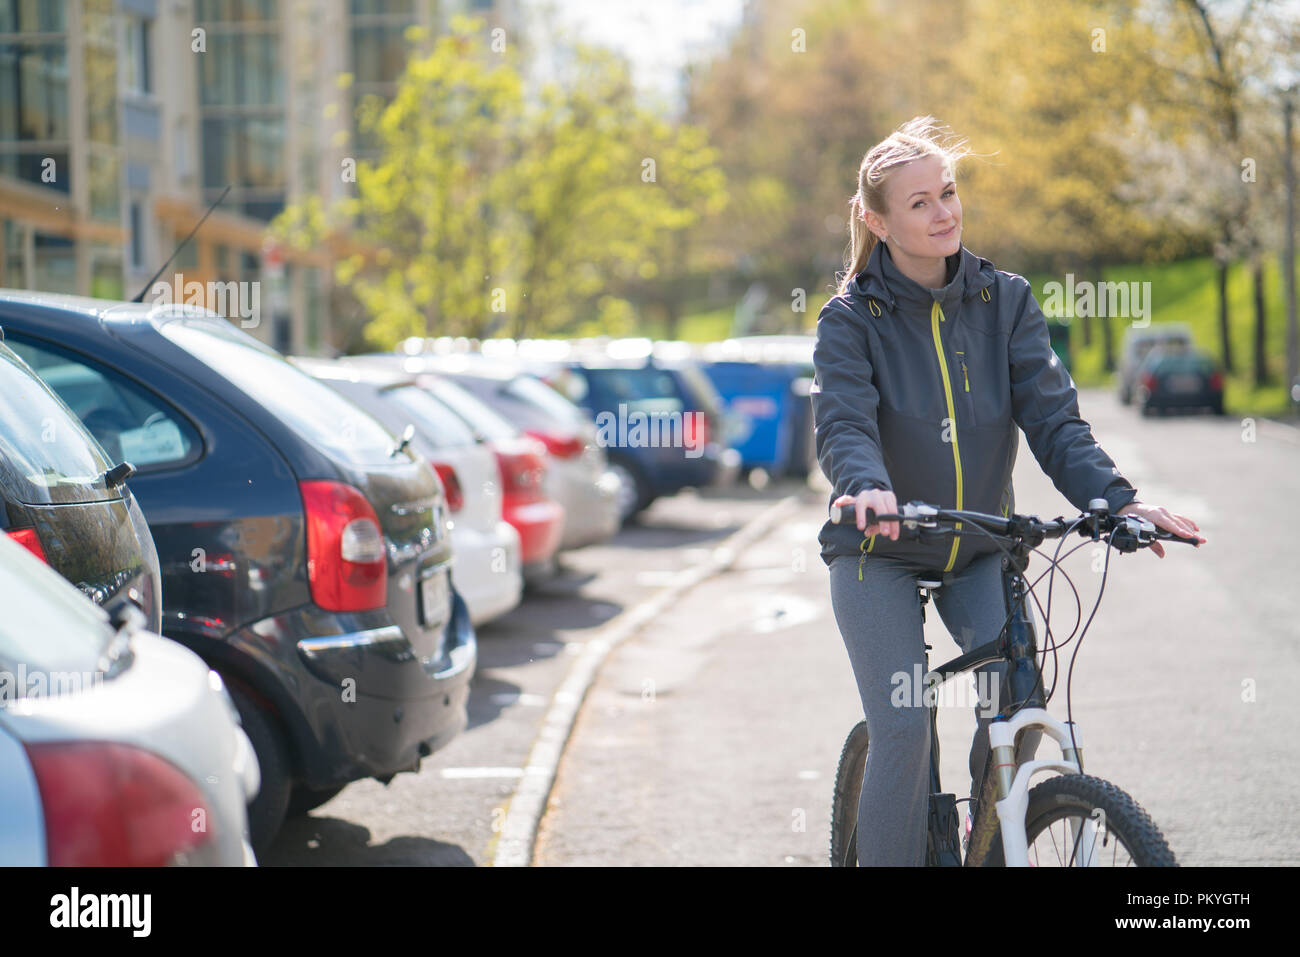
918	137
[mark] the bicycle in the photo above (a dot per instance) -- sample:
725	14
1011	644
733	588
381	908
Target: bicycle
1101	817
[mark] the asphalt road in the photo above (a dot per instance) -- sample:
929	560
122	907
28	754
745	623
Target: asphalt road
712	736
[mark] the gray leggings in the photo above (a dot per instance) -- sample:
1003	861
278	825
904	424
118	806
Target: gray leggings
880	621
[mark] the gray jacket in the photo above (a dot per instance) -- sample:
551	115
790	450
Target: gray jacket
921	391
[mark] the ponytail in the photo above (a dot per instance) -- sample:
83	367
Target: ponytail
861	241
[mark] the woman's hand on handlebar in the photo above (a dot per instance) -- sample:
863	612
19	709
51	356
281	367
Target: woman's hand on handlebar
1161	517
879	500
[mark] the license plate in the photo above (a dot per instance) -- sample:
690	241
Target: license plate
435	599
1183	383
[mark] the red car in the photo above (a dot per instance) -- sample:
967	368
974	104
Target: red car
538	518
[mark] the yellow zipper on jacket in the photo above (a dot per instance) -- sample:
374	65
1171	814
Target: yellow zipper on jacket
863	549
936	316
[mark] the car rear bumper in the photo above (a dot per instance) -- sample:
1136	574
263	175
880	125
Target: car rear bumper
540	526
716	467
1182	400
590	508
487	571
354	698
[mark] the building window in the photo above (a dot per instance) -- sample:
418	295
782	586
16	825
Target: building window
33	16
56	263
138	254
137	63
242	97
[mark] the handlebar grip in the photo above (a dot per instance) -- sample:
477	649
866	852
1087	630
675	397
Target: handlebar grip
848	515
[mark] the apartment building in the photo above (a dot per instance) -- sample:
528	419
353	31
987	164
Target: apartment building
122	121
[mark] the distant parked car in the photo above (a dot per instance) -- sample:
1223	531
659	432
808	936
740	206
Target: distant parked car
1173	376
117	747
485	546
304	553
1137	343
526	503
64	498
578	476
619	392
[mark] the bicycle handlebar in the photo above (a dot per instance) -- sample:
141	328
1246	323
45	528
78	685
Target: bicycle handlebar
1127	533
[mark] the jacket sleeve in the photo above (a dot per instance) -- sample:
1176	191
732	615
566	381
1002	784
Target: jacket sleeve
1045	404
844	402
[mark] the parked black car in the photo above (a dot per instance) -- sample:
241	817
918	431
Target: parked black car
303	548
65	499
1177	376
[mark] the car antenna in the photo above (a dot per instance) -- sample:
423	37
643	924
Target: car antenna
180	246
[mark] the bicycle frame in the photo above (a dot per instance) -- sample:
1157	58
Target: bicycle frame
1004	786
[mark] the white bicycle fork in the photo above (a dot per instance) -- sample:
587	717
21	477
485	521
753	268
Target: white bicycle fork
1014	791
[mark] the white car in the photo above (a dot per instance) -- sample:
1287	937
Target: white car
486	549
117	747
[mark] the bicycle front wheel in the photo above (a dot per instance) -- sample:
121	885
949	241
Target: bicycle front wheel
1123	834
844	805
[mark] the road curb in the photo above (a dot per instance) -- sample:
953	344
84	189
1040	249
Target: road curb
524	814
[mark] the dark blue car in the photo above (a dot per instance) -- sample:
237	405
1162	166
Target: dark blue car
660	423
303	548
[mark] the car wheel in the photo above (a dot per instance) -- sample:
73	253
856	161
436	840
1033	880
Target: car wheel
631	491
266	812
304	799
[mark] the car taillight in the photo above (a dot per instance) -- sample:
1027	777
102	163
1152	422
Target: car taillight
113	805
451	486
1216	381
561	446
28	539
347	566
695	430
523	466
1149	382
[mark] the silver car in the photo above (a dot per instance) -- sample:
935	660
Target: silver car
117	747
579	477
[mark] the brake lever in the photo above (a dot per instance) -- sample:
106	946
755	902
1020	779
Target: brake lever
1131	532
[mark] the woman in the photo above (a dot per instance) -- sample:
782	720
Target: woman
927	361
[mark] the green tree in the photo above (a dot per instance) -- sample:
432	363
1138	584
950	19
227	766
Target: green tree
495	208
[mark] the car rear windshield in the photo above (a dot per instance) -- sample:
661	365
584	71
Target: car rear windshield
50	633
438	423
635	385
701	388
310	407
1185	363
46	455
481	418
530	389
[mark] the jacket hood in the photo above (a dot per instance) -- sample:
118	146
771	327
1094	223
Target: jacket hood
881	279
